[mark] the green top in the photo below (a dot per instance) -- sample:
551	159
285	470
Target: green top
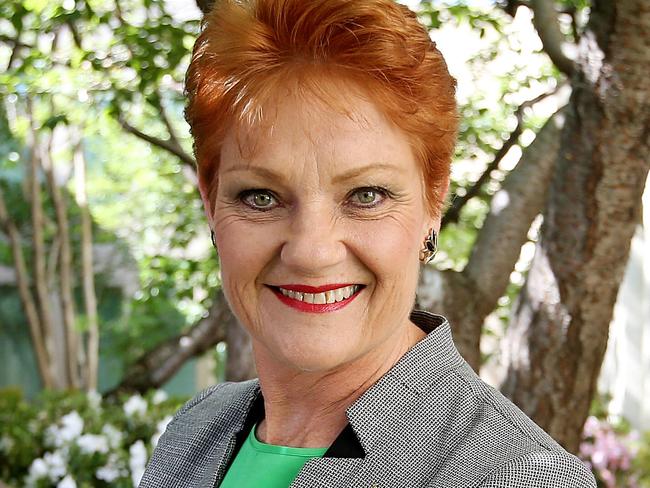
263	465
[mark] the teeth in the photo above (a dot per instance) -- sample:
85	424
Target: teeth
338	295
330	296
320	299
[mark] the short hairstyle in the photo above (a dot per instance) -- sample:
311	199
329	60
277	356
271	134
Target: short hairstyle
249	49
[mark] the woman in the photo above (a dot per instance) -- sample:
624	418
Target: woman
323	133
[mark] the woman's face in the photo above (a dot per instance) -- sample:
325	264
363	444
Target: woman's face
323	208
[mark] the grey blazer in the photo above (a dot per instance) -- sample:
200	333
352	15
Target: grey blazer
430	421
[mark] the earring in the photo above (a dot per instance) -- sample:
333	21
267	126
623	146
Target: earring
430	248
212	238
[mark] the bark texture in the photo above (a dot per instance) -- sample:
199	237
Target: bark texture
558	334
160	364
466	298
240	365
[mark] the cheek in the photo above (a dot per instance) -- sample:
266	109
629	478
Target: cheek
388	247
245	249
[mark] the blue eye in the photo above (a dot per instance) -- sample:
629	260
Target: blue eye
259	199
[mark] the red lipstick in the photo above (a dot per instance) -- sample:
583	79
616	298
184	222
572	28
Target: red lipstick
313	307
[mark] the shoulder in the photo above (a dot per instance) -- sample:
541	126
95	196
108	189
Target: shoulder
499	410
541	469
215	400
497	445
197	435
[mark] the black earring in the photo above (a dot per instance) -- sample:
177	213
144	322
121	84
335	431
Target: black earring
430	247
212	238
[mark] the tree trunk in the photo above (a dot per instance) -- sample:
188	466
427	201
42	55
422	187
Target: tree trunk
65	274
466	298
558	334
239	357
39	272
26	297
87	272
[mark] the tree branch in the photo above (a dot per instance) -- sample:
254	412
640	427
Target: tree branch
555	43
75	34
17	43
168	145
161	363
512	211
466	298
173	138
172	144
453	214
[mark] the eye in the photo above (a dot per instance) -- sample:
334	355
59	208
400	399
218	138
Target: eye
368	196
259	199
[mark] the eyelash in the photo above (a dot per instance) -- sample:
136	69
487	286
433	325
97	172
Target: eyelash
385	193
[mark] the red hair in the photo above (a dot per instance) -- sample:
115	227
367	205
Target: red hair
248	49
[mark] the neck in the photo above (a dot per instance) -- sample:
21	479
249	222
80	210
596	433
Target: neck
308	409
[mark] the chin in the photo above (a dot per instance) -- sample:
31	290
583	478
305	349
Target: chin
315	355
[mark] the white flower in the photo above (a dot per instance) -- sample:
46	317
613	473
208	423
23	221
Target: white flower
53	466
113	435
160	429
112	470
94	399
91	443
57	465
37	470
136	405
137	461
72	425
107	473
67	482
159	397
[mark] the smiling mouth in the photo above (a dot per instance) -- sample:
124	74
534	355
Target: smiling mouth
308	299
331	296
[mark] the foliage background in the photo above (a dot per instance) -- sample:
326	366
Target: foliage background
108	74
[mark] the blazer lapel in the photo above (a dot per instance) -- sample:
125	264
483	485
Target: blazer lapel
388	420
224	431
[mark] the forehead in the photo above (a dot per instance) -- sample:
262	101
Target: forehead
341	127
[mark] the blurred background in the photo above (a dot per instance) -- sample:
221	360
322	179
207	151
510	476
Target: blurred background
111	314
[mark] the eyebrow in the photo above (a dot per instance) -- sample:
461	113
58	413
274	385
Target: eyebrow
347	175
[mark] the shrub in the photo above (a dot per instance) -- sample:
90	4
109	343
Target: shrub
72	439
610	449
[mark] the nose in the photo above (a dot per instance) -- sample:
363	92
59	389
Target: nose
314	242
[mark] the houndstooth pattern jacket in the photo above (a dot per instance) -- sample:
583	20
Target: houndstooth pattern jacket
430	421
